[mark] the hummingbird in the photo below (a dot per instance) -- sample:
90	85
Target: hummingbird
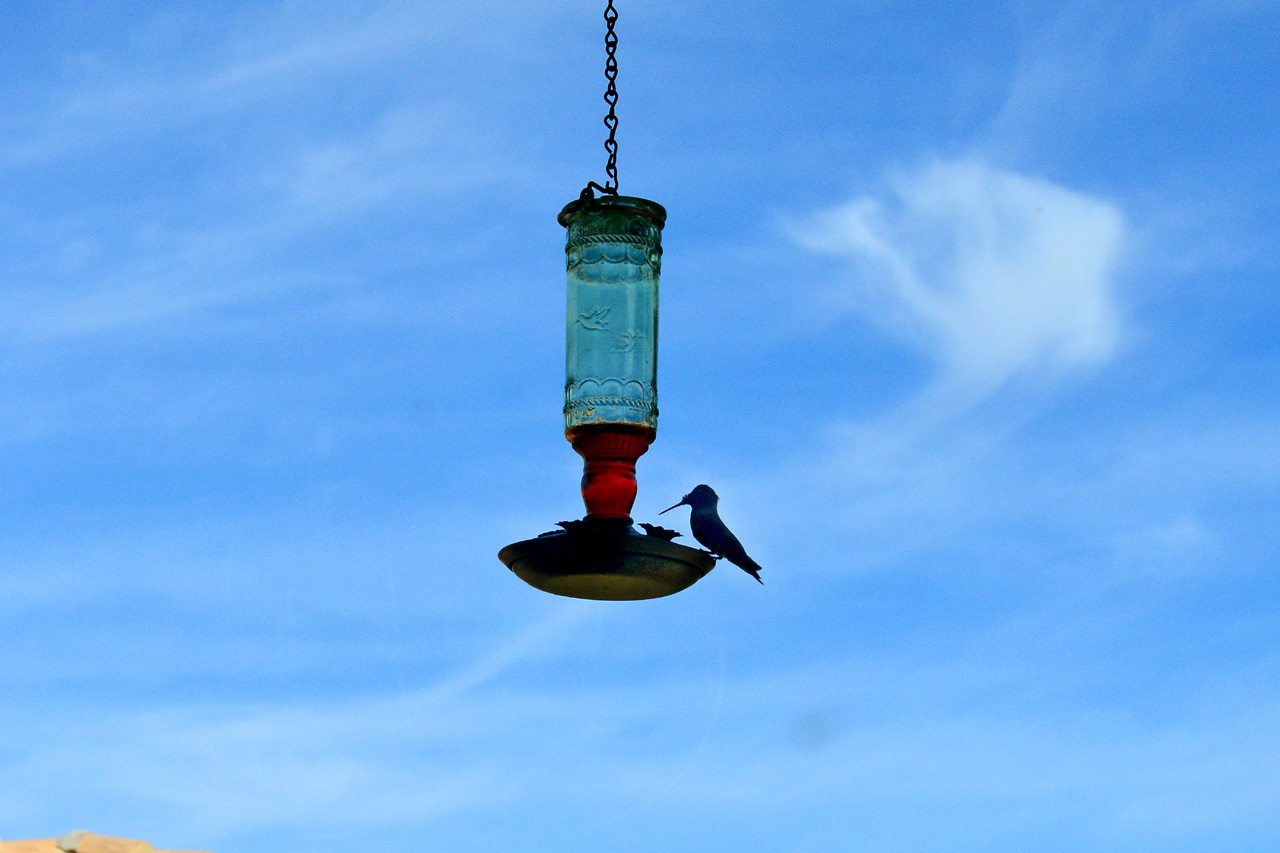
710	531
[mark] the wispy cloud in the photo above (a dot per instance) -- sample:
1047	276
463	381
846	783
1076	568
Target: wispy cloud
271	765
998	275
861	734
217	69
425	152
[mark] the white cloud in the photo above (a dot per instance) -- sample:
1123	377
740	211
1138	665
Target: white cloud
998	275
902	735
218	71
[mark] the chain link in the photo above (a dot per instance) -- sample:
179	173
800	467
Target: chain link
611	98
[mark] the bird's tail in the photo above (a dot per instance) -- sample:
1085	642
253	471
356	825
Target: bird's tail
752	568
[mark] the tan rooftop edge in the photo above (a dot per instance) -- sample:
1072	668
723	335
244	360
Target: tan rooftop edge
83	842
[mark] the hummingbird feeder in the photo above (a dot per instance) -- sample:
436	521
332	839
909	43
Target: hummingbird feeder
614	258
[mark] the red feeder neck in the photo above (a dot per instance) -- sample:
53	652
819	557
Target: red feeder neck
609	456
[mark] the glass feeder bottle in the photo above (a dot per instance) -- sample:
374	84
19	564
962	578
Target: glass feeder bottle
614	257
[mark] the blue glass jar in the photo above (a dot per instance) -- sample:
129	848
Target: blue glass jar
614	258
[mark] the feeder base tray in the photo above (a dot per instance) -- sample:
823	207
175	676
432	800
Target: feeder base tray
606	561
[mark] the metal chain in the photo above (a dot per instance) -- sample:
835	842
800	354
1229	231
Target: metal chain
611	98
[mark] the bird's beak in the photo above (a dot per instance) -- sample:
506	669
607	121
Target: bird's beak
668	509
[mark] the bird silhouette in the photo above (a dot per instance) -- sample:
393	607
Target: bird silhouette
710	531
596	318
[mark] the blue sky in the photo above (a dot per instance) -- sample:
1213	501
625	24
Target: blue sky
968	314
